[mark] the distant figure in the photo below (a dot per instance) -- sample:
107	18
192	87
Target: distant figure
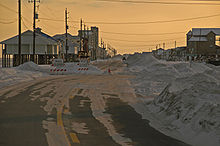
109	71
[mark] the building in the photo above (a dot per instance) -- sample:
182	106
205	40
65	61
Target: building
72	43
93	40
46	48
203	42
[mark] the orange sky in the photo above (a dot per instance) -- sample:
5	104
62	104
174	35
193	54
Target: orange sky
93	10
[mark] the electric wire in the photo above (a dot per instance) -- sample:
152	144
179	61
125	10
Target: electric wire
10	22
159	2
136	22
132	41
120	33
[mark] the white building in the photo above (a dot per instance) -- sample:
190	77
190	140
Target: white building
45	48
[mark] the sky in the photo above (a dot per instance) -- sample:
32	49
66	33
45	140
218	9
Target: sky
129	38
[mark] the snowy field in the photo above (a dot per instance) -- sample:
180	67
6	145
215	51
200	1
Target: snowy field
185	98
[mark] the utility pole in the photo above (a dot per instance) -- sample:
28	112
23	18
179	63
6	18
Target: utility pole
66	28
34	27
80	37
88	37
84	31
164	46
19	32
175	44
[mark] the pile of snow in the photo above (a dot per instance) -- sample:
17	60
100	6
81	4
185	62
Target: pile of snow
153	75
31	66
9	76
115	64
70	68
191	106
186	103
30	71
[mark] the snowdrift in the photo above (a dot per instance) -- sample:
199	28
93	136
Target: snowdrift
31	66
30	71
70	68
186	97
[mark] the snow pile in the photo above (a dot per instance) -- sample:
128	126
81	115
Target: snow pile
31	66
114	64
70	68
9	76
30	71
188	105
153	75
191	106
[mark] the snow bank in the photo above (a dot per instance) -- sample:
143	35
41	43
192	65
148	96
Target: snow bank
115	64
191	106
30	71
153	75
9	76
186	101
71	68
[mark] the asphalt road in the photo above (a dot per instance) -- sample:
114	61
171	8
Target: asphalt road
74	110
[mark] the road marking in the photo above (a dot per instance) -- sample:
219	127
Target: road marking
66	111
60	123
71	97
74	138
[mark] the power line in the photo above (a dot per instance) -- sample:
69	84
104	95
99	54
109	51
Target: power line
51	19
120	33
24	23
160	21
159	2
8	8
9	22
13	11
136	22
147	45
131	41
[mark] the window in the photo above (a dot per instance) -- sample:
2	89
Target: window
217	40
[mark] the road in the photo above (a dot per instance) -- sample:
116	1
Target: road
89	110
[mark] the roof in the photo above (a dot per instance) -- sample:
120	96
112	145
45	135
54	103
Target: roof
198	39
205	31
27	38
72	40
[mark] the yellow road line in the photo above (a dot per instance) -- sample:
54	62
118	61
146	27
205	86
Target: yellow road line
59	118
74	138
71	97
66	111
60	123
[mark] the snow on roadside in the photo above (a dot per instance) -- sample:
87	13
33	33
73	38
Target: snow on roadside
9	76
186	103
30	71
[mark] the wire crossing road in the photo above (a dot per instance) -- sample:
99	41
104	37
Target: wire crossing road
75	110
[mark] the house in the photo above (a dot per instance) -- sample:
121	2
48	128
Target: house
203	42
46	48
72	43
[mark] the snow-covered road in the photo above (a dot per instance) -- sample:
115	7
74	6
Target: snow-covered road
178	99
68	110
